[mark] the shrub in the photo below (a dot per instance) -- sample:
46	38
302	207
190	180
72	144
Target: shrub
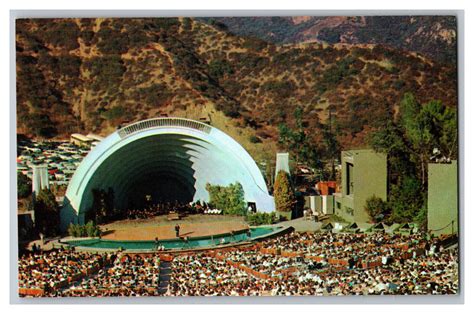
254	44
254	139
399	84
281	89
88	230
74	230
87	36
156	94
163	23
115	113
107	71
187	23
218	25
336	73
63	34
376	208
112	41
218	68
261	219
92	230
69	66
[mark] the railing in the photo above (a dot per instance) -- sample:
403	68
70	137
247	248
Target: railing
163	122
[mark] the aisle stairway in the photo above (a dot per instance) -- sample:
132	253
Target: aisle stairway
165	276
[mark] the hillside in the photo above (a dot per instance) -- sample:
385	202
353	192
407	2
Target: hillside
83	75
432	36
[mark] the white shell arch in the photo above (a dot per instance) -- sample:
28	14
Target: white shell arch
193	152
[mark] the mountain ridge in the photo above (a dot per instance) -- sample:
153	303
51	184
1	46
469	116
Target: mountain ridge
432	36
89	75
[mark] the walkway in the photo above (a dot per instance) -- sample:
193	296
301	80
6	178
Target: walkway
165	277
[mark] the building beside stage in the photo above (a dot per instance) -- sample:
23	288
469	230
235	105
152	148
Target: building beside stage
324	202
363	175
443	198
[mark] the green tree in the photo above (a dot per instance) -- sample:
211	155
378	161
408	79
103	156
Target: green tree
24	185
419	138
439	125
332	149
389	139
46	212
283	193
406	200
297	142
409	141
426	127
229	199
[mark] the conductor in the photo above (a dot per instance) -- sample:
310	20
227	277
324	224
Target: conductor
176	229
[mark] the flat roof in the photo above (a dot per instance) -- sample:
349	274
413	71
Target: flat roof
95	137
81	137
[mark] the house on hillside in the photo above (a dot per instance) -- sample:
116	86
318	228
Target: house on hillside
81	140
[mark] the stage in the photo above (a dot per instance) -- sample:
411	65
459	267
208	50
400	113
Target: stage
161	227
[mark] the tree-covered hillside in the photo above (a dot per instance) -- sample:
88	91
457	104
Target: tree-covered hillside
82	75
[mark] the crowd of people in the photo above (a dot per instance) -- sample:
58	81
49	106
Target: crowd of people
51	270
129	276
62	273
202	275
261	269
272	265
432	274
435	271
359	246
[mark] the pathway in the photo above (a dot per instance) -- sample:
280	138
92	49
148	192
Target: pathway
165	277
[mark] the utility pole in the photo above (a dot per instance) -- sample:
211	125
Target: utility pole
333	170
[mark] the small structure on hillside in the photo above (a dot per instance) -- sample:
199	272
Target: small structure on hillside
81	140
95	137
205	119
